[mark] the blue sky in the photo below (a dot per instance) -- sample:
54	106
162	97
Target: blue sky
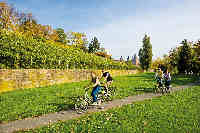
120	25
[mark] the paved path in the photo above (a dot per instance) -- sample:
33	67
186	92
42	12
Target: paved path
36	122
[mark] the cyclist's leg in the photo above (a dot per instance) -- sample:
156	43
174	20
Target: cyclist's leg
162	85
168	84
159	83
95	91
94	94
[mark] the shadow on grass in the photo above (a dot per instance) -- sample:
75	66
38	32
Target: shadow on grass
69	104
146	90
61	106
183	79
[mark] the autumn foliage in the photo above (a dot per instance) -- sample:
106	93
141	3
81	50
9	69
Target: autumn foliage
26	44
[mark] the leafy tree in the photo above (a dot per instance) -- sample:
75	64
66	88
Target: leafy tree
12	20
62	37
185	57
77	40
29	26
145	53
156	63
196	58
94	46
8	16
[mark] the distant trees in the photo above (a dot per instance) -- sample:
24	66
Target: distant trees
62	37
78	40
27	44
185	57
12	20
8	16
145	53
20	23
182	59
94	46
196	58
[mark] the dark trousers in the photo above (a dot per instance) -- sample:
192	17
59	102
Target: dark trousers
167	84
159	81
95	91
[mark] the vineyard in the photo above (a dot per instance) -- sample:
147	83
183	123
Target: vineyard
25	52
45	70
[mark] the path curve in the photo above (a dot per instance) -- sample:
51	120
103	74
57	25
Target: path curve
30	123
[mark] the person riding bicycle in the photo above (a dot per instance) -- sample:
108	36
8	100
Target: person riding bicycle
167	79
96	88
107	78
159	77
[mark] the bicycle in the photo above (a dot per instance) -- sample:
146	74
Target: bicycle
83	102
162	87
159	87
107	94
167	86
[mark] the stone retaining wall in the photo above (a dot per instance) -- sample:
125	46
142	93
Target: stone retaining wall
11	79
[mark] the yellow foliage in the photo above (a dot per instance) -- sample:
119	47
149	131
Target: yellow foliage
6	86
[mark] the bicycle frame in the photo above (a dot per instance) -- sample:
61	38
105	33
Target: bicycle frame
162	87
85	101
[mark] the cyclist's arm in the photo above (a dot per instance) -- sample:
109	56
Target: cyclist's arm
101	77
97	82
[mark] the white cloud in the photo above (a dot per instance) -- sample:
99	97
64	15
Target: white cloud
167	28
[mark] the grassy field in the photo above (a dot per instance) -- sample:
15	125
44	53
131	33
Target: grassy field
33	102
175	113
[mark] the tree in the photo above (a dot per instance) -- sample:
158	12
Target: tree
156	63
8	16
62	37
196	58
185	57
94	46
78	40
145	53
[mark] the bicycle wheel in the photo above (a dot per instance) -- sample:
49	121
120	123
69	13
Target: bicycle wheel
113	90
162	88
155	89
169	89
110	93
81	105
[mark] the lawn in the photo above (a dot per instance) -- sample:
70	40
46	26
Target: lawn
33	102
174	113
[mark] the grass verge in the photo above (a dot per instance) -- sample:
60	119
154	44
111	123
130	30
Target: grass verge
175	113
34	102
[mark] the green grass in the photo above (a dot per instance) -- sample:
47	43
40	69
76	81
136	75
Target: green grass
33	102
175	113
183	79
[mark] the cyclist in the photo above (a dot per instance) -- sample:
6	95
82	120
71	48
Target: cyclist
107	78
167	79
159	77
96	88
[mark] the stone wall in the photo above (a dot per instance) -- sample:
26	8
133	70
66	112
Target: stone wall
11	79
